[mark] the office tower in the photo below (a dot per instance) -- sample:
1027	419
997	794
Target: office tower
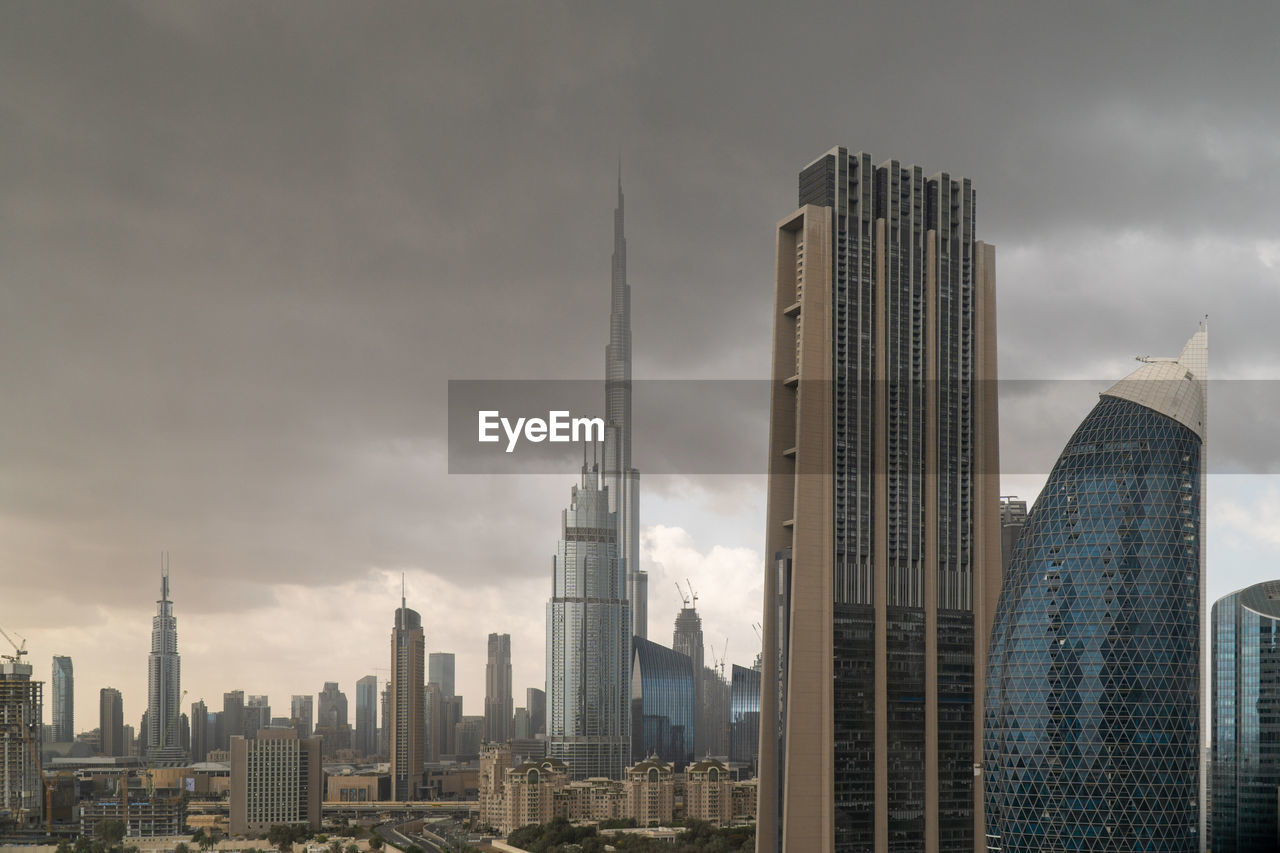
498	704
257	715
882	545
384	730
184	734
687	640
200	732
713	713
1093	706
408	656
276	779
367	715
332	707
163	675
1013	516
231	720
469	732
536	702
744	716
64	700
450	717
442	672
1245	683
589	640
21	742
111	721
432	712
300	709
520	725
621	480
663	712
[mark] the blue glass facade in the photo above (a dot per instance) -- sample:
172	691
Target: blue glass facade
662	704
1093	706
1246	720
744	716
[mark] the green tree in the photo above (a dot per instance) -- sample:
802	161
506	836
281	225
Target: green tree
110	832
281	837
181	847
375	842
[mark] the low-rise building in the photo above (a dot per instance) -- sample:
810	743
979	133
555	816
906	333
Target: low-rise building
158	816
650	792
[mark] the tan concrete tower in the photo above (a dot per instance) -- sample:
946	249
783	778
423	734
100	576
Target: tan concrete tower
408	660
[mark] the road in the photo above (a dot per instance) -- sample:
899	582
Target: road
399	840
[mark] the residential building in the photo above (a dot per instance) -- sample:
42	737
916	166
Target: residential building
367	715
408	659
882	539
21	742
708	793
441	672
650	792
276	779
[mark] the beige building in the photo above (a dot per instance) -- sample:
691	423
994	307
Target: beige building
358	788
407	695
708	793
595	799
650	792
531	794
276	778
883	543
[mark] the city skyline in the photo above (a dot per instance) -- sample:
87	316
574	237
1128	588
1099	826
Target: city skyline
237	350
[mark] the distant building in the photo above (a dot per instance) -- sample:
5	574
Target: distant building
650	792
200	742
536	702
332	707
64	699
408	659
358	788
301	709
367	715
708	793
21	741
441	672
111	721
469	736
497	689
257	715
687	640
231	720
1013	517
276	778
520	724
161	816
161	735
384	730
662	705
744	716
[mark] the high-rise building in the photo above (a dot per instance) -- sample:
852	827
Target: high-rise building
1245	754
163	676
663	713
468	734
589	640
200	732
21	742
64	700
520	725
744	716
111	721
367	715
442	664
408	657
1094	699
231	720
686	639
882	545
276	779
257	715
332	707
498	704
450	716
621	480
384	730
536	702
1013	516
301	709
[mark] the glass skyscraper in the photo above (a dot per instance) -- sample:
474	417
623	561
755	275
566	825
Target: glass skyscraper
589	639
744	716
64	699
882	538
1093	705
1245	628
164	669
663	716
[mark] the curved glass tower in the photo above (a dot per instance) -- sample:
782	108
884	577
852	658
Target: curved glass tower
1092	726
1246	719
662	706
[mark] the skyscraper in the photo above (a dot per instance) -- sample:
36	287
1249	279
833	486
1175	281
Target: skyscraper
332	707
621	480
882	545
663	710
200	732
536	702
1013	517
163	675
276	779
686	639
231	720
1093	701
589	640
21	741
301	709
64	700
367	715
498	705
257	715
1245	632
744	716
111	721
408	656
442	665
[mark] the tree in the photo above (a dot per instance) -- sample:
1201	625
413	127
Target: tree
181	847
375	842
110	832
281	837
351	848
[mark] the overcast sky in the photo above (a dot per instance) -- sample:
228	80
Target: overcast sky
244	247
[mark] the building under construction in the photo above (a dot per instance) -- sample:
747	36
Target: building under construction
21	786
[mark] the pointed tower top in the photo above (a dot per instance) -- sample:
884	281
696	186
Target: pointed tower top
1175	387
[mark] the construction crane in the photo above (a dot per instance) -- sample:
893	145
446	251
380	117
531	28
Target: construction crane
18	650
684	599
692	595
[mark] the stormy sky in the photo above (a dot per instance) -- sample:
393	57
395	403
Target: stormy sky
244	248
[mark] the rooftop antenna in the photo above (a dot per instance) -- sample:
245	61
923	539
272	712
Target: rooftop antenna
403	605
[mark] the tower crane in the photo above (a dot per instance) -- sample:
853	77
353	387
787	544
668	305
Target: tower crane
18	649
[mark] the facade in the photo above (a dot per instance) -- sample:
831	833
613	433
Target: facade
442	668
1245	755
257	715
301	709
21	741
744	716
468	737
589	640
1013	516
663	714
163	676
1093	706
408	658
708	793
882	541
155	817
367	715
650	791
498	705
621	480
64	699
111	722
687	640
200	732
276	778
332	707
231	720
536	702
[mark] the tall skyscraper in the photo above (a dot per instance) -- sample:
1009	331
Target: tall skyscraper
663	711
498	704
1245	633
21	741
231	720
257	715
301	708
408	657
111	721
384	730
883	545
442	668
744	716
621	480
332	707
1094	697
163	675
589	640
687	640
200	732
536	702
64	700
1013	516
367	715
